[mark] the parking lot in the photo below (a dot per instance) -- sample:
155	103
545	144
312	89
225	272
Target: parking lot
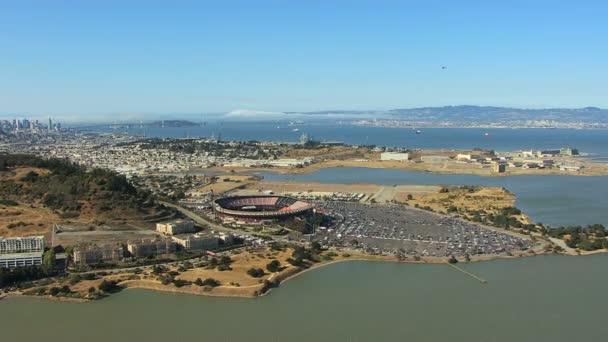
389	228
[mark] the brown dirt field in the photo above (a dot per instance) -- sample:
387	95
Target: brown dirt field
319	187
38	220
488	199
222	186
445	167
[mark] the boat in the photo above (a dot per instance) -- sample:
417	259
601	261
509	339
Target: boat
486	134
418	131
296	129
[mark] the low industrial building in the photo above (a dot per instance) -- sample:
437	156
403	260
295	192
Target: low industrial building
20	259
399	156
175	227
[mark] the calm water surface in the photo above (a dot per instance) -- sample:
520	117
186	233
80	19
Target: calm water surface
555	298
550	199
589	141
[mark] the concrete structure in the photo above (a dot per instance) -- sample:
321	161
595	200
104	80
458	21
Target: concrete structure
21	244
93	255
432	159
175	227
461	156
567	151
262	207
20	259
400	156
142	249
572	168
500	167
196	241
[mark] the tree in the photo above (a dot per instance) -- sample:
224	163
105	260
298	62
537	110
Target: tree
316	247
48	262
75	279
211	282
273	266
109	286
255	272
198	282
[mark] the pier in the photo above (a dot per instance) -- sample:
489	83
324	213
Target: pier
481	280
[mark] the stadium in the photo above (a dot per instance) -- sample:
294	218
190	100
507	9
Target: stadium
260	208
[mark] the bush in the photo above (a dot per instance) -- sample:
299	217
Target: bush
8	203
180	282
273	266
109	286
210	282
255	272
75	279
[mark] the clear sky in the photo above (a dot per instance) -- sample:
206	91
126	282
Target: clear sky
117	57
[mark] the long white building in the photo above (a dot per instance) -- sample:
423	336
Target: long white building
21	244
21	251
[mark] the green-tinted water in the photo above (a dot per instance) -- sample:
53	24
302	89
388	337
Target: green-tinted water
554	298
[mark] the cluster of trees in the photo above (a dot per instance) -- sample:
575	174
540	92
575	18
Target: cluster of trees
222	264
68	184
109	286
190	146
589	238
14	276
207	282
273	266
300	255
255	272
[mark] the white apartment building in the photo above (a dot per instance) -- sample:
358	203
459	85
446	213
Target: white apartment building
175	227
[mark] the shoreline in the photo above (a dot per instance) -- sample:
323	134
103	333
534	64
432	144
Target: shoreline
293	276
402	166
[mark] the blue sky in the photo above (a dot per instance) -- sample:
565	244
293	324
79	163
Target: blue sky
92	58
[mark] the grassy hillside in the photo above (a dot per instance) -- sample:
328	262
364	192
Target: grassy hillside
73	192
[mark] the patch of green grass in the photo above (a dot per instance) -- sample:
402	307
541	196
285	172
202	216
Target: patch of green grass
8	203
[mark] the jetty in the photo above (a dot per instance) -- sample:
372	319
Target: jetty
481	280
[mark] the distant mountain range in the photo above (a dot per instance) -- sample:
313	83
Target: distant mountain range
477	114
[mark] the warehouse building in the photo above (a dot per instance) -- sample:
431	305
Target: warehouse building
400	156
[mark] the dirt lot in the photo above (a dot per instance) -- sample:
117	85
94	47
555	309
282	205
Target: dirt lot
226	183
317	187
